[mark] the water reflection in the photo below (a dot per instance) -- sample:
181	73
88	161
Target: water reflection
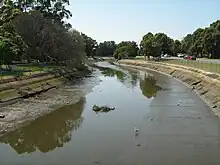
148	86
48	132
134	78
121	76
130	78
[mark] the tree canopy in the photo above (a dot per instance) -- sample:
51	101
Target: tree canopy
201	43
155	45
90	45
126	49
12	47
204	42
106	48
35	29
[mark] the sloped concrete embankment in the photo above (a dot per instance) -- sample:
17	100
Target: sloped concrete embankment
14	89
205	84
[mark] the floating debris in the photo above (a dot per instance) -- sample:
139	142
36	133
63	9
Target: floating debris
138	145
2	116
102	108
97	162
214	106
136	131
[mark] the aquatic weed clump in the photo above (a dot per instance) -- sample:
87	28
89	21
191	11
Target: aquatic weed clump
97	108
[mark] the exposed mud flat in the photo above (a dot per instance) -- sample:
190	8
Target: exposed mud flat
203	83
26	110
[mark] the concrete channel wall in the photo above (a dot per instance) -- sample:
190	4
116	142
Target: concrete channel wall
205	84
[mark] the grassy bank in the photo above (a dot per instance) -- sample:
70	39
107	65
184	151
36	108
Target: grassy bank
209	67
25	70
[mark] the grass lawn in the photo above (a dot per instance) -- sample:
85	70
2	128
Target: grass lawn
210	67
36	67
19	70
140	57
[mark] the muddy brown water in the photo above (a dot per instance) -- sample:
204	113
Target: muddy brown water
175	126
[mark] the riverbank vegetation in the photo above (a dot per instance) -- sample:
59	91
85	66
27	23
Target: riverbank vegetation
126	49
206	66
201	43
204	42
36	32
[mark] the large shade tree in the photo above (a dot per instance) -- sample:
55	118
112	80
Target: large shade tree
106	48
12	47
204	42
126	49
90	45
146	45
35	29
156	45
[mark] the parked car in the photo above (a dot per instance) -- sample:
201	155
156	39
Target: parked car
185	57
166	55
180	55
191	58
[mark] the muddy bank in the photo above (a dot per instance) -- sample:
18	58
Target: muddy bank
65	90
205	84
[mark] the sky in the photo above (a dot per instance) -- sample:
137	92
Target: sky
123	20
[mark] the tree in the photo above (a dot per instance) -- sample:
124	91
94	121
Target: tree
204	42
216	39
12	46
8	12
186	43
146	45
197	43
162	43
126	49
34	33
177	47
37	30
90	45
78	49
49	42
107	48
155	45
53	9
208	41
